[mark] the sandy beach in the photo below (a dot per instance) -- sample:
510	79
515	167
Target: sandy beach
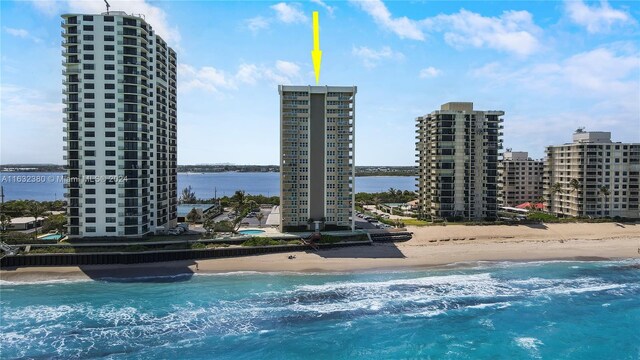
430	246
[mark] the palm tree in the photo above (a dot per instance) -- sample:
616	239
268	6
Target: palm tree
553	190
575	185
238	200
36	211
259	216
604	192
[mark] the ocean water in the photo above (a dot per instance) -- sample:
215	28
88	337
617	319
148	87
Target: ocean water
539	310
49	186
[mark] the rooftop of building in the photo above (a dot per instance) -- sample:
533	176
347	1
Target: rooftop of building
318	89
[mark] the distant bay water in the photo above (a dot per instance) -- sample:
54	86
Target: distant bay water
44	186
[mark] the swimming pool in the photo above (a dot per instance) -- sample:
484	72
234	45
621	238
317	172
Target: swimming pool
54	237
251	232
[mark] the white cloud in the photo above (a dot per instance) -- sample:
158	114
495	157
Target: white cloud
604	76
154	15
257	23
330	9
21	33
402	26
48	7
513	31
27	112
289	13
210	79
596	18
17	32
288	68
429	72
371	58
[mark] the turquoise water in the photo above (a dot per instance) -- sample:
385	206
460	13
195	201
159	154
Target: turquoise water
55	237
541	310
251	232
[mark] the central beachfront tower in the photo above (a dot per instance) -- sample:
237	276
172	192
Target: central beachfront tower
317	169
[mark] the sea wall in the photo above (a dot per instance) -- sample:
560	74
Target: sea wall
109	258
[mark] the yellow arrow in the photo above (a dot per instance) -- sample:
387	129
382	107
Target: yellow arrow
316	54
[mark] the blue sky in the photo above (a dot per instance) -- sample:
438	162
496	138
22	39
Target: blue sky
552	66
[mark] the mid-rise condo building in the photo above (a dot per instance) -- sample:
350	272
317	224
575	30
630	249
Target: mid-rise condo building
316	157
120	126
457	153
520	179
593	177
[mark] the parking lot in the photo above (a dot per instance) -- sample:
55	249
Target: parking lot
361	223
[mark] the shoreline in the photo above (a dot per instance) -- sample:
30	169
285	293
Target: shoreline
430	247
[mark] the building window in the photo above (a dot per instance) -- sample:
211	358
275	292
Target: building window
87	18
109	67
87	56
109	48
90	229
87	27
109	86
87	47
109	38
109	57
110	229
109	76
110	210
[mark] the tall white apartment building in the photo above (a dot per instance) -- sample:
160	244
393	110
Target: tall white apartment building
593	177
457	151
316	157
520	178
120	126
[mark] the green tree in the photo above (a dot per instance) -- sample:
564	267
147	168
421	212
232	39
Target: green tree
193	216
5	222
208	224
36	210
188	196
604	192
55	222
553	190
224	226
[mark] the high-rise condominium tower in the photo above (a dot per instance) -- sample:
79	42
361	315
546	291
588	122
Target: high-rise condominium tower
316	157
520	178
457	149
120	134
593	176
